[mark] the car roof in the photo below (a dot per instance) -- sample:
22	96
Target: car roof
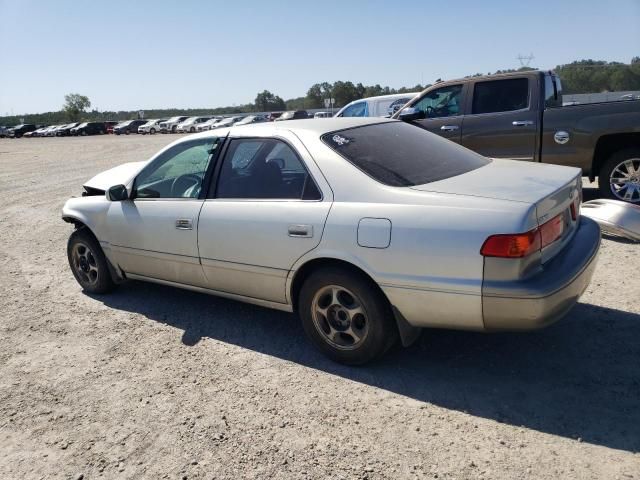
311	125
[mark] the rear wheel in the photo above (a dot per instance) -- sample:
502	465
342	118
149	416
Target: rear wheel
619	177
88	263
192	130
173	129
152	131
346	316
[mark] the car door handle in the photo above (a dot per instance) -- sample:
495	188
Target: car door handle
184	224
301	231
522	123
449	128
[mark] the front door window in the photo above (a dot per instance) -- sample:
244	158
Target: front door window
178	172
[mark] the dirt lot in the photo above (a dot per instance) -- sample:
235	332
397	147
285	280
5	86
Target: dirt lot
153	382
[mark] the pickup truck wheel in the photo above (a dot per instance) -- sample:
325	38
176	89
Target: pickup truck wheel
619	177
346	317
88	263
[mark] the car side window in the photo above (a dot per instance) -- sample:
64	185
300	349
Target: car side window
356	110
177	172
500	95
264	168
441	102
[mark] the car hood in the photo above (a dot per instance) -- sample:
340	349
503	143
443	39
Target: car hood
120	175
517	181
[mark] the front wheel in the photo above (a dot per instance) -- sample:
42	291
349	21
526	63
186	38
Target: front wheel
346	316
152	131
88	263
619	177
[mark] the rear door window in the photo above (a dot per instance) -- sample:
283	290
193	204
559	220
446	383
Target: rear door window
500	96
401	155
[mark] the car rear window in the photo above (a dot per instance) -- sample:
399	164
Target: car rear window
402	155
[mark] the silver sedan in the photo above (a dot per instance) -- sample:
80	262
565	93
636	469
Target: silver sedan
369	229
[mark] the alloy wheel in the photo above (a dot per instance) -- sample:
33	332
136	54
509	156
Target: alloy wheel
624	180
84	263
340	317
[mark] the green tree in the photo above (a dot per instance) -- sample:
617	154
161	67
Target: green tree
267	101
74	105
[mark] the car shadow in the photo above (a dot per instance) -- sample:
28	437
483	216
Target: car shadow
579	378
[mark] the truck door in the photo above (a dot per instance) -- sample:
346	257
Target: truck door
503	118
443	111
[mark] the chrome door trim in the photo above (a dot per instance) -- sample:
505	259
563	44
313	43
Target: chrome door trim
285	307
522	123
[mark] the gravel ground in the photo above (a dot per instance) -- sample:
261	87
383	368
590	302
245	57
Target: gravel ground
155	382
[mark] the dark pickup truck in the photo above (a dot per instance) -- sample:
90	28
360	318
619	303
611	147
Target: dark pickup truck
520	116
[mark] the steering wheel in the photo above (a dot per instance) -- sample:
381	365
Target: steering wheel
186	186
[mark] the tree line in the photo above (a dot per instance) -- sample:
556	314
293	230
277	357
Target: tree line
583	76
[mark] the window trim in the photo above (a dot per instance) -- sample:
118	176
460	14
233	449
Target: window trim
212	187
472	96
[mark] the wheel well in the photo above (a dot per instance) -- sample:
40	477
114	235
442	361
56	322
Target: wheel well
313	265
607	145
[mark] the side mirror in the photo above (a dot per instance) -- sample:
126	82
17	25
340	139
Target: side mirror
118	193
410	114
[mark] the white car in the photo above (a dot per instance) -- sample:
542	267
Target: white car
204	126
369	229
227	122
51	131
190	124
170	126
151	127
382	106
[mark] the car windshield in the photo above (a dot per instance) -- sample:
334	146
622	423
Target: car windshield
402	155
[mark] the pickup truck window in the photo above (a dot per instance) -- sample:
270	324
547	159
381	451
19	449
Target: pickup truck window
500	96
442	102
400	155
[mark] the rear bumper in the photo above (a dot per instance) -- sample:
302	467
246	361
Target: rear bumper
549	294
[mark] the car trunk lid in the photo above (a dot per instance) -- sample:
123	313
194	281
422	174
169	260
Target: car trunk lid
551	188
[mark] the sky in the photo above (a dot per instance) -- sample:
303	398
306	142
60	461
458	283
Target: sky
143	54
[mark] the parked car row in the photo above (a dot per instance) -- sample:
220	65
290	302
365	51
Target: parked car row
177	124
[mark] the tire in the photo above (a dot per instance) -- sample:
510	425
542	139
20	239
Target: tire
192	130
343	336
127	132
617	166
173	129
88	263
152	131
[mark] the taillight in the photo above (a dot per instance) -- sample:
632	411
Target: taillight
511	246
552	230
520	245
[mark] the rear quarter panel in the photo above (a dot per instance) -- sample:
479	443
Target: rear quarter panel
432	270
